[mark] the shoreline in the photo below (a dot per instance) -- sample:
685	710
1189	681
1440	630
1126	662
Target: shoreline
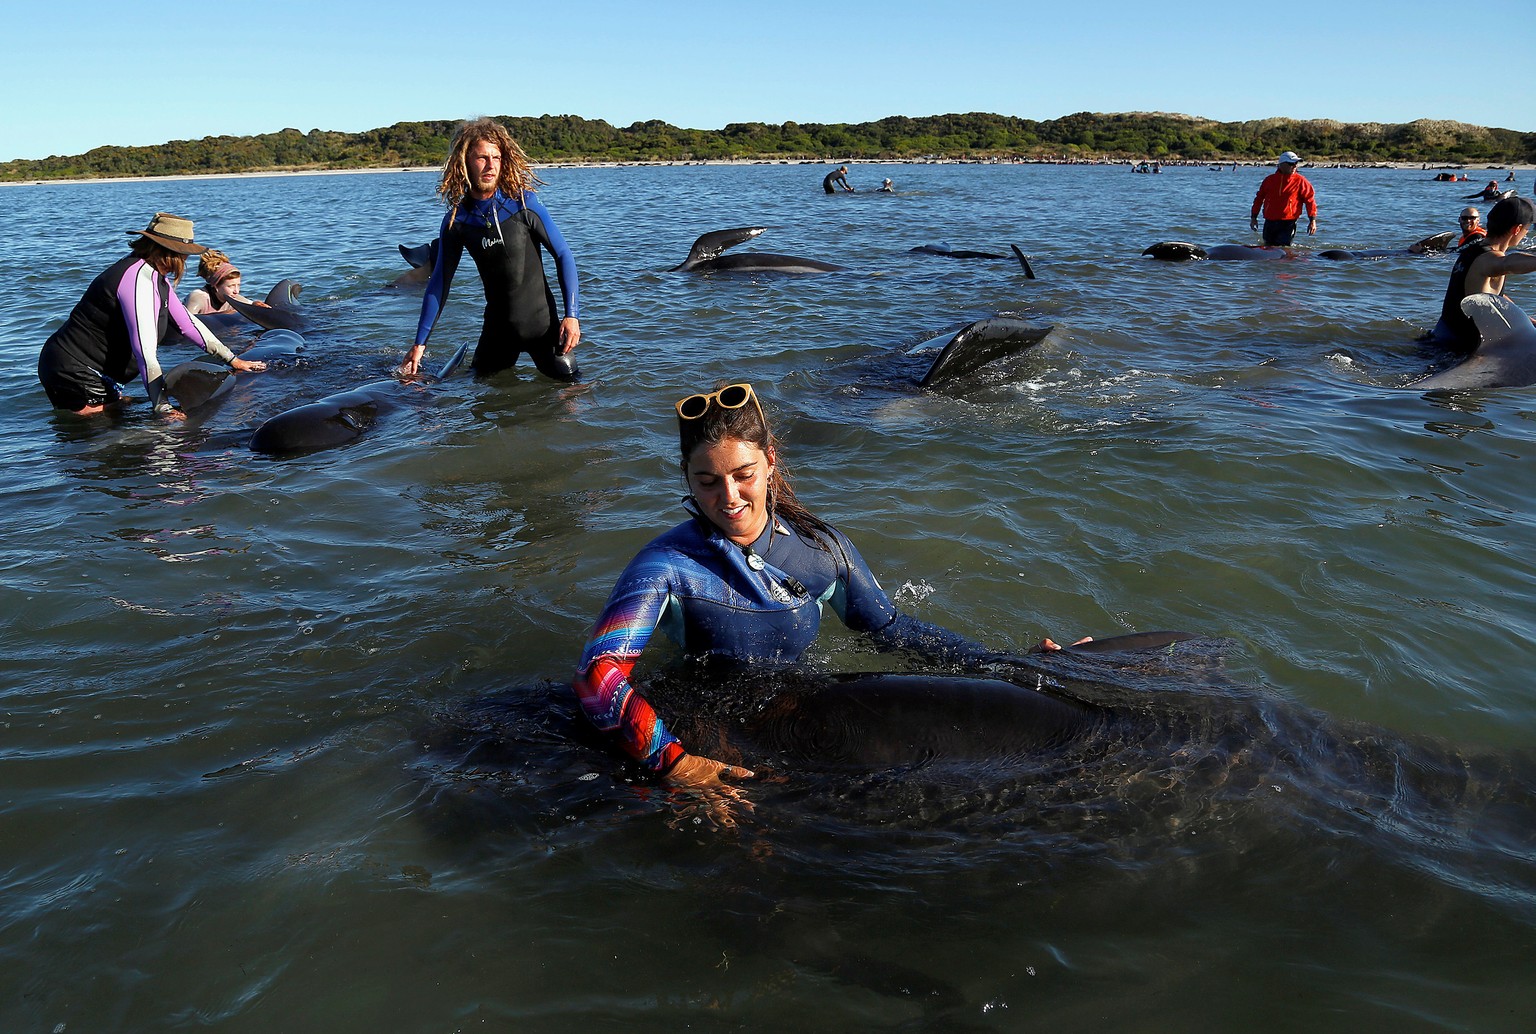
1180	163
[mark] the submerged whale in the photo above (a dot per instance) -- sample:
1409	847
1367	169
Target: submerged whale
980	343
1506	355
202	380
1184	251
1149	754
706	255
340	418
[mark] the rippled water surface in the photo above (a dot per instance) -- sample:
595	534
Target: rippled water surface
286	744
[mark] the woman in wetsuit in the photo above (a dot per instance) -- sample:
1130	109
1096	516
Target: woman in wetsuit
495	215
743	580
116	329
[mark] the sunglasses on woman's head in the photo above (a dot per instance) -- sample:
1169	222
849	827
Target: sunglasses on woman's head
732	396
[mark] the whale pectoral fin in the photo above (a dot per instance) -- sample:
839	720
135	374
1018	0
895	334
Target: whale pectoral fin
453	363
714	242
359	418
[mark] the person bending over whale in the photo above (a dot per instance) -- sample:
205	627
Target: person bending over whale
1481	268
494	213
838	177
743	580
115	330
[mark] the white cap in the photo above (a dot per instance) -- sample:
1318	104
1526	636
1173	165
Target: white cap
1288	158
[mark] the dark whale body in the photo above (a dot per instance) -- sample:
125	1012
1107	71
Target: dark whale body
1184	251
946	251
706	255
340	418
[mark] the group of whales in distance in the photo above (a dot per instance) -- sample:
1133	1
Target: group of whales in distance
1506	357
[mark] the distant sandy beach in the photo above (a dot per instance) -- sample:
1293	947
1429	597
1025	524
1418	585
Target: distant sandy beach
269	173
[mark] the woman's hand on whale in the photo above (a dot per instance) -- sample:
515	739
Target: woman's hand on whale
1048	644
694	770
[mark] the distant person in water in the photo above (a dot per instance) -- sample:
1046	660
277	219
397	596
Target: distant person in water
221	285
1481	268
1489	193
1282	196
494	213
115	331
1471	228
887	187
838	177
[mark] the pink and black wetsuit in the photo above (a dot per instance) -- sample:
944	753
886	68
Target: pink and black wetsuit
114	333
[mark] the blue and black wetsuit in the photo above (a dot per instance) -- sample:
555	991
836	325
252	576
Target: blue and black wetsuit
113	334
719	601
503	235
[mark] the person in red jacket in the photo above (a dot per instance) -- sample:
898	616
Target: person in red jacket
1282	196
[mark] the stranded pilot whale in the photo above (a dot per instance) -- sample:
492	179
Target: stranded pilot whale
337	419
202	380
706	255
1506	355
1183	251
1152	754
946	251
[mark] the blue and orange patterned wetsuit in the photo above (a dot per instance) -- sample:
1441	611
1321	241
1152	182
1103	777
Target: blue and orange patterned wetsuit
503	235
718	600
113	333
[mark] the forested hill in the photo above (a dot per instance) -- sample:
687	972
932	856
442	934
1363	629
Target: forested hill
976	136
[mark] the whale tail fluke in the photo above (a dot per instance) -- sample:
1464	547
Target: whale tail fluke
711	244
281	311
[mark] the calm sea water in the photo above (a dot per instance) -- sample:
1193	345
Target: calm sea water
284	745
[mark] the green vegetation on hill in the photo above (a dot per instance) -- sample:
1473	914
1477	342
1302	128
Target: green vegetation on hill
976	136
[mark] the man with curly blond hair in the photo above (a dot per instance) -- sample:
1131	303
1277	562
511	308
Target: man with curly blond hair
494	214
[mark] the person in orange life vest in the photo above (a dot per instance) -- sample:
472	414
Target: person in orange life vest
1282	196
1471	227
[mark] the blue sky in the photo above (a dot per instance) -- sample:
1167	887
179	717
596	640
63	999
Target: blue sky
83	73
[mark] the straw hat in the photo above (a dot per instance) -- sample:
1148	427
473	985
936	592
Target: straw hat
172	232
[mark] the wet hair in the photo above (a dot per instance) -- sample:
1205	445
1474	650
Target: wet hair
517	175
749	424
210	262
171	263
1509	213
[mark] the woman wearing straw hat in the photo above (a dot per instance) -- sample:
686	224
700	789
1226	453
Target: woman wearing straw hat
743	580
116	328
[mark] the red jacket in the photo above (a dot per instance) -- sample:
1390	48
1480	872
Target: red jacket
1282	197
